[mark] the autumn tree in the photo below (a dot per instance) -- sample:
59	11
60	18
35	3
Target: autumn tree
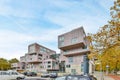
107	40
4	64
14	60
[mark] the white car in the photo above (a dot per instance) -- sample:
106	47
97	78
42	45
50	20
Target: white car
11	75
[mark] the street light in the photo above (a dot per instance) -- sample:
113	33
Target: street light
107	69
101	71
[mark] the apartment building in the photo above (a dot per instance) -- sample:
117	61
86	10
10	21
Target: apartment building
73	46
18	66
38	59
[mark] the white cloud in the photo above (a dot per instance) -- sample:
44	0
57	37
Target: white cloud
106	3
14	44
8	10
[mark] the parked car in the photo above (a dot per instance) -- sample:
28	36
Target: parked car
45	74
30	73
61	78
53	75
76	77
11	75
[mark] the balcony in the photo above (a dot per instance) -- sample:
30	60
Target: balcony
76	52
72	46
22	59
34	59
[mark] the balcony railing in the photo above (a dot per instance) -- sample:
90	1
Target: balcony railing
76	52
71	46
35	58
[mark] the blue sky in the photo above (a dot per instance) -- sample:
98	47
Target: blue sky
23	22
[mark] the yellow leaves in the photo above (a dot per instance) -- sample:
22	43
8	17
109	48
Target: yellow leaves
107	40
111	57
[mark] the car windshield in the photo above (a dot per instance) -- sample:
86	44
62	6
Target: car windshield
77	78
53	73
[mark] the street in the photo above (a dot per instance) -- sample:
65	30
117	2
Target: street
37	78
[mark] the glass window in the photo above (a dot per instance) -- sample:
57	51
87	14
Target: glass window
72	78
44	49
83	78
73	71
70	59
68	66
61	38
49	62
82	67
49	66
74	40
32	49
61	43
48	50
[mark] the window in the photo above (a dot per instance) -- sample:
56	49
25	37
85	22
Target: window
48	51
14	73
30	58
70	59
40	55
85	47
49	66
73	71
43	49
82	67
67	66
61	38
4	73
65	51
61	43
54	63
74	40
46	56
32	49
49	62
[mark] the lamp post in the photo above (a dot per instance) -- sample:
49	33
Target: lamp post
101	71
102	77
107	69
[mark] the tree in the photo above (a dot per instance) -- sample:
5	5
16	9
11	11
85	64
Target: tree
4	64
107	40
115	22
14	60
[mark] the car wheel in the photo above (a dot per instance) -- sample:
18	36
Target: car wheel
18	78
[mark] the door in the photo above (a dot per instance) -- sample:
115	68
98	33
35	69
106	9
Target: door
73	71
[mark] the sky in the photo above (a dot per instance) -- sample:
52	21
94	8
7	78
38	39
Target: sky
23	22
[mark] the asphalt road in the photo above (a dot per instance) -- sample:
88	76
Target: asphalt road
37	78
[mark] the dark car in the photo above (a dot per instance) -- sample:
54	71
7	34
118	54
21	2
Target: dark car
76	77
53	75
30	73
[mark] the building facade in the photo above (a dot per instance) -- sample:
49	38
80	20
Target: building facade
38	59
73	46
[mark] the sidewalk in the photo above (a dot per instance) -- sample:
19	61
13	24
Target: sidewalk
115	77
101	76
